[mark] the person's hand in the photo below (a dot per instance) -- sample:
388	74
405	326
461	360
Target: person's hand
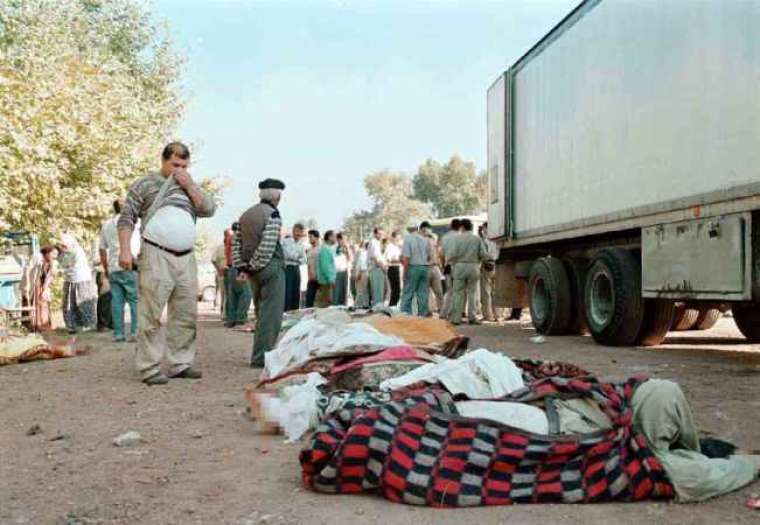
125	260
183	178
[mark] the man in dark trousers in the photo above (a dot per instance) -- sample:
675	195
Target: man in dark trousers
262	259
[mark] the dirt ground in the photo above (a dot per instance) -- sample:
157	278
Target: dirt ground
202	462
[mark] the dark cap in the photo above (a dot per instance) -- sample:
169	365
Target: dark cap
271	184
425	224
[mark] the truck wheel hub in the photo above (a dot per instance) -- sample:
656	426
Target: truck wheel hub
602	298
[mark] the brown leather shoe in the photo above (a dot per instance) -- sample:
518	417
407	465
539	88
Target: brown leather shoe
188	373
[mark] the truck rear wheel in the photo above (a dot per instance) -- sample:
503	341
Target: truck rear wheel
747	317
549	289
707	318
612	294
658	318
576	274
684	318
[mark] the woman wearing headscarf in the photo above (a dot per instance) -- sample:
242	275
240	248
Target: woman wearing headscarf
79	290
36	284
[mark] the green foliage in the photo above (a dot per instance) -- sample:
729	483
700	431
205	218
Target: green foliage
451	189
393	207
87	101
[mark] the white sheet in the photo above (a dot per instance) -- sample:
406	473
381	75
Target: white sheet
480	374
517	415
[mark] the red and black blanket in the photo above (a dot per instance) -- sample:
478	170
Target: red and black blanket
417	450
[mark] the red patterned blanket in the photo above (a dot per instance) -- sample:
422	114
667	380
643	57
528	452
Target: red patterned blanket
416	450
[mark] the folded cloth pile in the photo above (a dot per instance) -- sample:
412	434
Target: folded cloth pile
351	354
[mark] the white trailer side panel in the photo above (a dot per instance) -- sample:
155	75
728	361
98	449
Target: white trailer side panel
639	102
497	143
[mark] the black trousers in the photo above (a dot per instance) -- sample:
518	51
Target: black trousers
394	276
292	287
311	293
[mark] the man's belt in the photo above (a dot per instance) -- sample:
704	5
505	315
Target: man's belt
167	250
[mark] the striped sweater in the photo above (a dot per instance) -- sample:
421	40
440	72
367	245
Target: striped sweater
144	191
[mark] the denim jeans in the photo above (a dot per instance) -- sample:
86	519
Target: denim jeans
123	289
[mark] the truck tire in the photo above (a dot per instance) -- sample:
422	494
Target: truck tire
747	317
658	318
576	274
707	318
612	294
549	290
684	318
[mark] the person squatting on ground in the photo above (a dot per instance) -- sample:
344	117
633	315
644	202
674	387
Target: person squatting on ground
416	257
80	294
295	256
312	255
488	275
169	203
123	282
465	253
237	291
377	268
326	273
261	258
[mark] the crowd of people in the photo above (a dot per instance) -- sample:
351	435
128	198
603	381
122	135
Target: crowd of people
146	252
417	273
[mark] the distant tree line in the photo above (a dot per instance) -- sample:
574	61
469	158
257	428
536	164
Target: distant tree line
436	190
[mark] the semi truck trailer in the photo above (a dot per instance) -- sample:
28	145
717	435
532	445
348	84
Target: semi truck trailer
624	171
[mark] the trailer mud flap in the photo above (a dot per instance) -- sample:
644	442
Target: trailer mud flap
708	259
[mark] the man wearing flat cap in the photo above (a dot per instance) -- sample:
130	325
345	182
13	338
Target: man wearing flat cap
261	258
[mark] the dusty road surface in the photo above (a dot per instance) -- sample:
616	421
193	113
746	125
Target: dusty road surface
202	462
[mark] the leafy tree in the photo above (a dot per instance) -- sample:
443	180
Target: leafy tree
393	206
451	189
87	100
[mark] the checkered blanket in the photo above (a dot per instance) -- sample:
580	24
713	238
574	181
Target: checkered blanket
416	450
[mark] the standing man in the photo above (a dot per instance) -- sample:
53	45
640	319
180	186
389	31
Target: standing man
220	262
377	267
416	257
326	273
393	258
446	251
262	259
239	293
295	256
467	251
361	277
168	202
123	282
435	276
488	275
312	256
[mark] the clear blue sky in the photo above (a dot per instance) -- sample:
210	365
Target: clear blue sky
321	93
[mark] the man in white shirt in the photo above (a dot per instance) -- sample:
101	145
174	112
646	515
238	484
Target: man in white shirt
377	267
123	282
294	252
393	257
